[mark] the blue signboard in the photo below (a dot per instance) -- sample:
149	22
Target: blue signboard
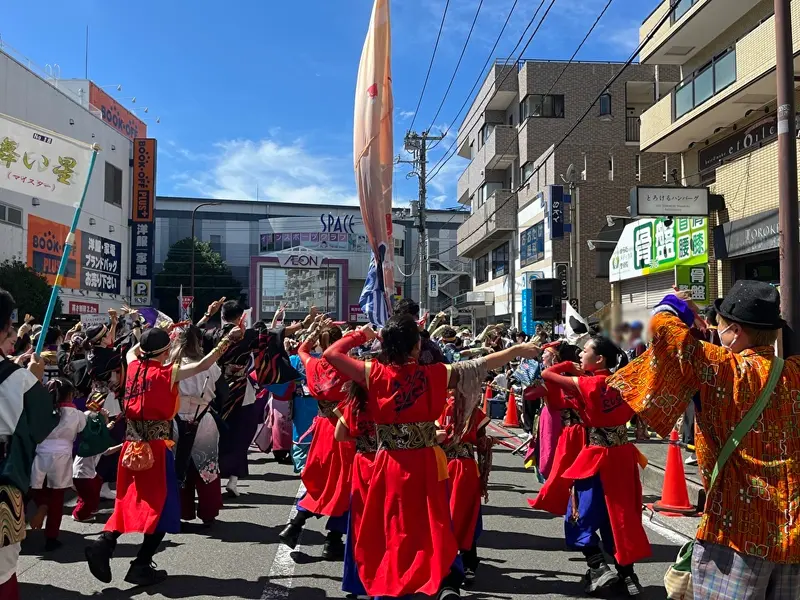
531	244
556	211
528	326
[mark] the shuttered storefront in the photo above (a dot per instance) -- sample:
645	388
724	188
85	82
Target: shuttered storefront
641	294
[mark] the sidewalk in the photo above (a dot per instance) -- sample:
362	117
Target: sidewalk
652	477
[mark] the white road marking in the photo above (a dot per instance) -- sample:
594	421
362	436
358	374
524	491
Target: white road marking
672	536
281	573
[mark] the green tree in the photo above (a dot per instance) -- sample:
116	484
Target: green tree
30	289
212	278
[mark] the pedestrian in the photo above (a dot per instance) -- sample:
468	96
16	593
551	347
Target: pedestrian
329	467
748	542
606	488
147	500
29	418
411	547
197	457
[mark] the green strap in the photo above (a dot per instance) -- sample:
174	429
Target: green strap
749	419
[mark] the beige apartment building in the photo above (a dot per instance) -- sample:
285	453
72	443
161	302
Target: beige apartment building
721	122
508	136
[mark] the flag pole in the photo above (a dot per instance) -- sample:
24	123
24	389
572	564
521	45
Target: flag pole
62	267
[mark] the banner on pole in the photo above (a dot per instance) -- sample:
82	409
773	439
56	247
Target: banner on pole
41	163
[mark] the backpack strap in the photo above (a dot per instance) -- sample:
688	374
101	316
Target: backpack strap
746	424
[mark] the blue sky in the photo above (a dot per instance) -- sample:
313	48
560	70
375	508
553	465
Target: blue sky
259	93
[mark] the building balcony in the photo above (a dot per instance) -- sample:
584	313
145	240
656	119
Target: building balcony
491	221
739	80
692	25
632	129
463	187
498	150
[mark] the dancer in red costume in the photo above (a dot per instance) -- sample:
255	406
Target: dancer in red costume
147	492
329	467
554	494
607	491
410	547
467	485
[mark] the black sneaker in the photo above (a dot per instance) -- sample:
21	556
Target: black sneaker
290	535
599	578
144	574
632	585
98	555
334	547
448	593
469	575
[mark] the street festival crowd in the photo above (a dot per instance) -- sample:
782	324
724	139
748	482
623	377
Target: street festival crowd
387	432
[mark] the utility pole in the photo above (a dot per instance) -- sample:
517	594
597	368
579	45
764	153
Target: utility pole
789	235
417	144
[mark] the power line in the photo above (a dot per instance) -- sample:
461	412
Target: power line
572	129
458	64
485	64
430	66
515	138
486	99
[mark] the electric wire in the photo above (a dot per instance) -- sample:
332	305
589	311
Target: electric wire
430	65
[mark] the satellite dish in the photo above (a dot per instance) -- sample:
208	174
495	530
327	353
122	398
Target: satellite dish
570	173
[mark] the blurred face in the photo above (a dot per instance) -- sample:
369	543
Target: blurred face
5	332
7	346
591	361
635	334
549	358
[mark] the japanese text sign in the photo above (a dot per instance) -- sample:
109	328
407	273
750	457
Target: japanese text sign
142	243
144	180
657	245
90	320
694	279
669	202
113	113
83	308
561	271
101	266
556	211
41	163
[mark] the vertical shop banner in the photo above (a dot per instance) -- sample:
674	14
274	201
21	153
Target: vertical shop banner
143	221
556	211
693	279
100	264
41	163
45	247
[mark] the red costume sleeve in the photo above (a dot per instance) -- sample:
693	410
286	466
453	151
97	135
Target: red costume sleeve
337	355
553	377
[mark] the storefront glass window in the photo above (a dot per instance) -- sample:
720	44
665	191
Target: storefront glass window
299	289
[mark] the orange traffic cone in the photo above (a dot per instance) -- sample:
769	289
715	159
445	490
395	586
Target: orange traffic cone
674	494
512	416
486	397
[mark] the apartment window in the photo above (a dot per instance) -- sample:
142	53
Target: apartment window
500	260
705	82
605	104
611	167
10	215
484	134
637	167
680	8
113	189
542	106
482	269
526	172
399	247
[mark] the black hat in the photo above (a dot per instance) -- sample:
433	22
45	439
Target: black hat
752	303
96	332
154	342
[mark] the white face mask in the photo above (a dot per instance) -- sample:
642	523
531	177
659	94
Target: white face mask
733	341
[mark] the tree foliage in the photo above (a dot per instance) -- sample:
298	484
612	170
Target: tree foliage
30	289
212	277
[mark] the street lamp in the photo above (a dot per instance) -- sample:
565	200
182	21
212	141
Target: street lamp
191	268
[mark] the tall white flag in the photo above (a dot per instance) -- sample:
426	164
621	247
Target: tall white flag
41	163
576	329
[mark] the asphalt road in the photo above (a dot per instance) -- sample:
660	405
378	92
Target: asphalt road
523	553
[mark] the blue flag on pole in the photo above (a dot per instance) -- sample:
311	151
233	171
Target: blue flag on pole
373	300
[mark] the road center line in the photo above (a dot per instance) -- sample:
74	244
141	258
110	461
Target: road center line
281	573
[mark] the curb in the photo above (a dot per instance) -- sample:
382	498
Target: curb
653	479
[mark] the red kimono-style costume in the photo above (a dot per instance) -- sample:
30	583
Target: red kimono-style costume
151	396
329	467
555	493
408	545
615	460
462	468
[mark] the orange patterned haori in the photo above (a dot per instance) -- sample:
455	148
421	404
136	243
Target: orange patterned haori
755	506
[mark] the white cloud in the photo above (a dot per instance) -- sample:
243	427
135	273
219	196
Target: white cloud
242	169
404	115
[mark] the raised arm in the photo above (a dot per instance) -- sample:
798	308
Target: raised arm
495	360
338	354
213	309
133	354
563	375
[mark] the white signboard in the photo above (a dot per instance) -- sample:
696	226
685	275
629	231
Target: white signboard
669	202
141	292
40	163
433	285
92	320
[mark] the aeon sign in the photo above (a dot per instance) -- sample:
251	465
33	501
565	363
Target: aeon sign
301	259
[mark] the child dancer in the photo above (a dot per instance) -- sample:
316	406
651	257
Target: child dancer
52	466
329	467
607	492
466	484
